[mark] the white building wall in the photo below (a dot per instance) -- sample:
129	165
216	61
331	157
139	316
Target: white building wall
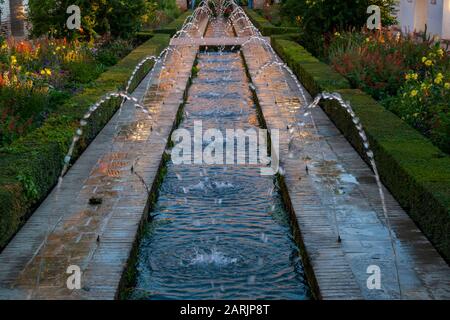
5	10
446	20
434	18
406	15
413	15
420	14
5	26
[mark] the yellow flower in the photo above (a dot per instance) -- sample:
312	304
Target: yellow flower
414	93
13	60
447	85
367	39
440	52
424	59
43	72
428	63
337	34
48	71
413	76
439	78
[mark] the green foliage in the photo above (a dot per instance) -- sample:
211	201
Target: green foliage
319	19
393	69
175	25
195	70
374	62
31	190
98	17
109	53
266	28
325	16
83	72
415	171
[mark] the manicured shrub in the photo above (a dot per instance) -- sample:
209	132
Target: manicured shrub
108	52
175	25
265	27
408	76
119	18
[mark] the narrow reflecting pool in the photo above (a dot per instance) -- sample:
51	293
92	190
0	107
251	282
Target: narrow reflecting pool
219	232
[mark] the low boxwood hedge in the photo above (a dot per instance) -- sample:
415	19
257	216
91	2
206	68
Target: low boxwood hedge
266	28
415	171
30	166
175	25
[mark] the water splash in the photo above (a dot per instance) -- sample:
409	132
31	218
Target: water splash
211	257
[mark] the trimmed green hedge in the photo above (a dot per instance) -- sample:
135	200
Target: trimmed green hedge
29	168
415	171
175	25
266	28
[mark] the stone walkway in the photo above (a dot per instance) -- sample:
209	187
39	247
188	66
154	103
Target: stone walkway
324	177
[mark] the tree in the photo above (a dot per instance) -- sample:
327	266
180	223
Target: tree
116	17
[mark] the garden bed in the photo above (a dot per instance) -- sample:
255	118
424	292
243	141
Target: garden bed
412	168
30	166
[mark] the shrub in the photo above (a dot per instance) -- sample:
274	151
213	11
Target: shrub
109	53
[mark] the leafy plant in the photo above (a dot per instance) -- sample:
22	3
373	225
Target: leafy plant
375	62
31	190
99	17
